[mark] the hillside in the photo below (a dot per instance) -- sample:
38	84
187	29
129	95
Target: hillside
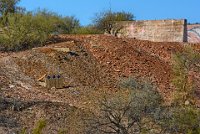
90	64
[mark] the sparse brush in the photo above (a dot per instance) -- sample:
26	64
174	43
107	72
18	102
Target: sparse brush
124	112
183	63
26	30
23	131
87	30
62	131
180	119
41	124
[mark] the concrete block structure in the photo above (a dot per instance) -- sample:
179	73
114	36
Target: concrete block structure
153	30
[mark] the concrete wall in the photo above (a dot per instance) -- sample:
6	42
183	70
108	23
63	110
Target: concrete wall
153	30
194	33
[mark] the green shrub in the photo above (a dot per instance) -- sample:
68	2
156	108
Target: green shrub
62	131
27	30
8	6
133	83
143	94
23	131
124	113
187	119
62	25
179	119
183	63
68	25
87	30
39	127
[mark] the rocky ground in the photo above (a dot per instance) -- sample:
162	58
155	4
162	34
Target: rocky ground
91	66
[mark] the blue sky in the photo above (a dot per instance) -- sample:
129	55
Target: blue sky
85	10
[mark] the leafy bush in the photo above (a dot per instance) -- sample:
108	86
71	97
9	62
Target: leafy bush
23	31
68	25
182	117
62	25
125	114
8	6
86	30
183	63
186	119
179	119
133	83
39	127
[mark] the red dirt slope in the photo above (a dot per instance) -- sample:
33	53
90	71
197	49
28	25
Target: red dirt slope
136	58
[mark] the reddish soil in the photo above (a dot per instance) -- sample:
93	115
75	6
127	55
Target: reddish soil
133	58
94	65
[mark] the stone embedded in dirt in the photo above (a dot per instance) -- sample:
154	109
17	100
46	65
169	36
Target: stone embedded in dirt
187	102
11	86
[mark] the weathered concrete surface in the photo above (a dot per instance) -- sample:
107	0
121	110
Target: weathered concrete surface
193	33
153	30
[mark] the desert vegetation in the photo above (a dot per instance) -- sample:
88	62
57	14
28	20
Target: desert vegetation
23	29
142	110
111	85
184	64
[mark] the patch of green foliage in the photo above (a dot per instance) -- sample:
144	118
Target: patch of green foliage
127	111
179	119
41	124
133	83
144	111
8	6
24	30
183	63
27	30
62	131
187	119
23	131
182	117
87	30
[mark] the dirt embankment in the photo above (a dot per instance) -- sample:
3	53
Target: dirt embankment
133	58
90	64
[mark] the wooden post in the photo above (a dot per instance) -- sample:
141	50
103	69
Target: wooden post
54	81
48	81
59	81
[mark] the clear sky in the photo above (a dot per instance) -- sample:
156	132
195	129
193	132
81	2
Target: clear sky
85	10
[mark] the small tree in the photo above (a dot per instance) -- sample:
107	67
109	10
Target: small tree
124	114
8	6
62	25
25	31
69	24
104	20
